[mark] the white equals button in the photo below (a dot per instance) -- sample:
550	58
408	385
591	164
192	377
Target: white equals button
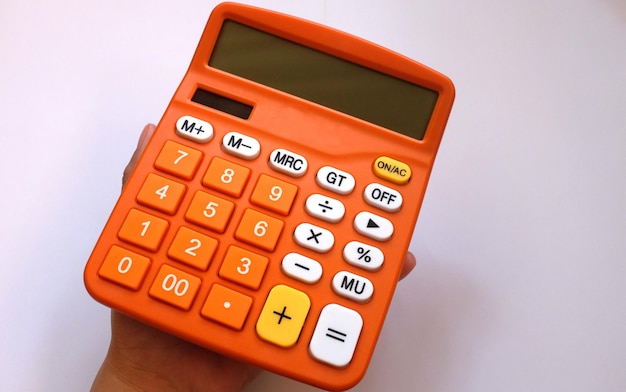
325	208
336	335
373	226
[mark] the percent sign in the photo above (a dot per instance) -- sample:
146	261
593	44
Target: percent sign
364	254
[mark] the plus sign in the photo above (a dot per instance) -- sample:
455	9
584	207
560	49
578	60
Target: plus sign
199	129
282	315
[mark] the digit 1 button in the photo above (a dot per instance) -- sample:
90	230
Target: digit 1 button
283	316
336	335
144	230
373	226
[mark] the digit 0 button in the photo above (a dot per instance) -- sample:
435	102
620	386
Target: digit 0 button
194	129
124	267
392	170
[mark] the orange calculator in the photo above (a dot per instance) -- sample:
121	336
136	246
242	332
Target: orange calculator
269	216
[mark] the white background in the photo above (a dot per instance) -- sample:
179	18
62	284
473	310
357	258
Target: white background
521	242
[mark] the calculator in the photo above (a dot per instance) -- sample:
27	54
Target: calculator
270	213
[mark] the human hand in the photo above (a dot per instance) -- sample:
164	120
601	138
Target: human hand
143	358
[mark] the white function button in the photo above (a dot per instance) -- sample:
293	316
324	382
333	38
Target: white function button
325	208
194	129
301	268
352	286
335	180
242	146
313	237
288	162
363	255
383	197
373	226
336	335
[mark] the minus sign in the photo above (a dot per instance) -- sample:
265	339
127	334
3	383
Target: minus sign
302	266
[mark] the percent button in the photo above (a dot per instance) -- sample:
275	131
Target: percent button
363	255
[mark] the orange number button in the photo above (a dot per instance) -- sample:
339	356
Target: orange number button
144	230
243	267
178	160
259	230
161	193
274	194
226	177
226	306
210	211
124	267
175	287
192	248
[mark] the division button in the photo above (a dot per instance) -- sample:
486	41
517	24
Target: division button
314	237
283	316
325	208
336	335
373	226
301	268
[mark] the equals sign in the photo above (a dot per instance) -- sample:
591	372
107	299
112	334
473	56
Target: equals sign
337	335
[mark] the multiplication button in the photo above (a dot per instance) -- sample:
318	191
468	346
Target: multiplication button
314	237
336	335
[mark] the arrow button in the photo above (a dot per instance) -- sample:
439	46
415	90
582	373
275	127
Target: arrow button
373	226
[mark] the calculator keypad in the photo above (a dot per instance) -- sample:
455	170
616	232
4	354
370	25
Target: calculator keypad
210	210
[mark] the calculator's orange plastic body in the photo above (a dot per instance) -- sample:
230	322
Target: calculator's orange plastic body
278	120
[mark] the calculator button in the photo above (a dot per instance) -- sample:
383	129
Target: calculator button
373	226
124	267
335	180
336	335
243	267
144	230
301	268
363	255
314	237
227	307
194	129
226	177
274	194
283	316
178	160
325	208
383	197
192	248
161	193
392	170
259	229
352	286
210	211
288	162
175	287
241	146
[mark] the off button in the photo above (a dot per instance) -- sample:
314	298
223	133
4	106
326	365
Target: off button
392	170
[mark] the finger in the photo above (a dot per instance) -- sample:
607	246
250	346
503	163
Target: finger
146	134
409	264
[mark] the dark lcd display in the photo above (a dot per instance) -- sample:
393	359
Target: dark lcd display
327	80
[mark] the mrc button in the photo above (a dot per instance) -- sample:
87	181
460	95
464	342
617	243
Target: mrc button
288	162
392	170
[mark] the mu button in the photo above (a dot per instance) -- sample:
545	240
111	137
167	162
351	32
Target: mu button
283	316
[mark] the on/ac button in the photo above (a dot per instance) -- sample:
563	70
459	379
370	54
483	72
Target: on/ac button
392	170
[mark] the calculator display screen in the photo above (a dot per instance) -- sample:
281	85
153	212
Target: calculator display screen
327	80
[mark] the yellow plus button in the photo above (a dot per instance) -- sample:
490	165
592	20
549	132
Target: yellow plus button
283	316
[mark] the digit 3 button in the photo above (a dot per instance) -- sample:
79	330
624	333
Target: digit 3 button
373	226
